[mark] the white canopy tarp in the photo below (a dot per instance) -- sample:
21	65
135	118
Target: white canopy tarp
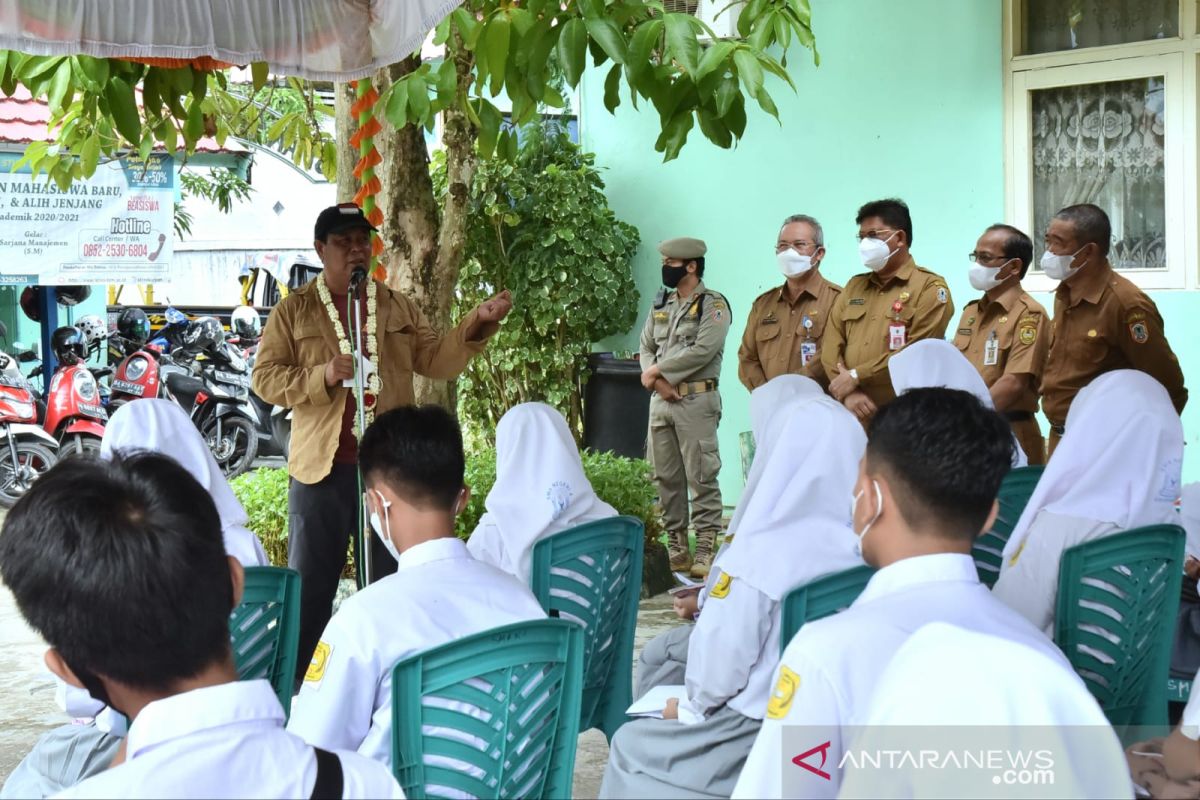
336	40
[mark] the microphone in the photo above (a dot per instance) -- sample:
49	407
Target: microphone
356	279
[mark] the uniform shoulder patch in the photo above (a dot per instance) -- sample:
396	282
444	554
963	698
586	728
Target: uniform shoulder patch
320	660
943	294
785	689
722	587
1135	316
1139	332
1027	333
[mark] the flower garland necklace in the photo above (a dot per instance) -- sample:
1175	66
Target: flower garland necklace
370	349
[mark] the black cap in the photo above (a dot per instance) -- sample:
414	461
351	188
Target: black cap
343	216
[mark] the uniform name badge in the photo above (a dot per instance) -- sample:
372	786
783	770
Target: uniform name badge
991	351
897	332
808	348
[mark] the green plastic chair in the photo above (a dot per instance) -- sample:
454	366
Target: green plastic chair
494	715
1117	601
265	629
822	597
592	575
1015	491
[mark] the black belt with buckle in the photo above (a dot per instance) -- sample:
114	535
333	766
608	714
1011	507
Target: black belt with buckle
1018	416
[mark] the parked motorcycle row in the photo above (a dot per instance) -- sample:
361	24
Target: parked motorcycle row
191	362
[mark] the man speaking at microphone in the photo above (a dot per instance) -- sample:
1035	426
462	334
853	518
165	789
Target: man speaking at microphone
305	363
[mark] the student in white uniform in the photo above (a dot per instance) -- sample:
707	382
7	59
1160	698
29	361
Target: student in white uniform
663	659
70	753
412	466
925	489
120	567
795	528
540	489
1117	467
953	691
936	362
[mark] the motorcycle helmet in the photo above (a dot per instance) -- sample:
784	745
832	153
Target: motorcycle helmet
245	322
29	302
94	329
134	325
69	345
72	295
203	333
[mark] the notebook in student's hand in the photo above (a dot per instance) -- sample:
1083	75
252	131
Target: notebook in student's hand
685	583
652	703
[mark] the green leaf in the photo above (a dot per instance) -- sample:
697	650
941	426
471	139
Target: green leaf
60	84
199	84
612	89
489	126
418	99
714	130
642	45
396	109
259	72
468	26
681	41
735	120
726	92
674	135
151	100
193	128
572	50
90	155
760	36
170	138
123	107
495	41
37	66
146	145
606	34
714	57
749	71
553	98
767	104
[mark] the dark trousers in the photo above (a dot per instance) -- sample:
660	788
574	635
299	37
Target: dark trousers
321	518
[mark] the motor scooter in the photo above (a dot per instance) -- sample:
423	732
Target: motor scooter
26	450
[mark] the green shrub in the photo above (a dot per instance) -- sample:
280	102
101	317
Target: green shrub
623	483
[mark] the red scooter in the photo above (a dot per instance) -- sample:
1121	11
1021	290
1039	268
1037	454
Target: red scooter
136	377
26	450
74	414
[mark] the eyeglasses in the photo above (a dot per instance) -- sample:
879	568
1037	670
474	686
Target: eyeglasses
798	244
983	257
883	234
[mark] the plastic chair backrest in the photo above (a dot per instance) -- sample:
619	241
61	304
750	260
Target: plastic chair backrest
265	629
493	715
592	575
1118	597
819	598
1015	491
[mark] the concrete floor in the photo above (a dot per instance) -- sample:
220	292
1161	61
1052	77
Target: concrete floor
27	708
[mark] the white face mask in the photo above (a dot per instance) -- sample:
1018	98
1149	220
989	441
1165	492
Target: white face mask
383	529
1059	267
858	549
984	278
793	264
874	252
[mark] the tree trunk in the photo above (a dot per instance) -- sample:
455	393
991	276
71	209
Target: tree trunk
347	156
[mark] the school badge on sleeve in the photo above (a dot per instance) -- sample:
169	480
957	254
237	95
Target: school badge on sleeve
1028	333
320	659
1139	332
780	701
721	590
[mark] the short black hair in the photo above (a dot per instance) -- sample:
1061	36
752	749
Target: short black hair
1018	245
1091	225
418	452
945	454
699	266
120	566
893	211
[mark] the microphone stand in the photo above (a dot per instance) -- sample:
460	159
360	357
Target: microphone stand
354	314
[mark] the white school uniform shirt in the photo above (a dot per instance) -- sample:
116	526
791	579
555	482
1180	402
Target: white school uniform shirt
829	671
225	741
438	593
795	527
540	489
950	689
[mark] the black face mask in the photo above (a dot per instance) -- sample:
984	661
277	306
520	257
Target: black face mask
93	685
671	276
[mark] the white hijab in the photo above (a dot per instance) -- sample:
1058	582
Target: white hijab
1119	462
936	362
796	524
163	427
540	489
929	697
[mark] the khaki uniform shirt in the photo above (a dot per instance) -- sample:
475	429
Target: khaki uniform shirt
1102	322
300	339
857	331
686	338
1022	332
775	333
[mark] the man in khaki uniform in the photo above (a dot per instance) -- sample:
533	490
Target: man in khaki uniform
783	333
301	366
881	311
1006	333
681	348
1102	321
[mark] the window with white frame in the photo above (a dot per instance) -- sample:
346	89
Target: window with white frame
1101	107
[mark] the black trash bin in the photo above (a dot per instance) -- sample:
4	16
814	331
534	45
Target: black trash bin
616	409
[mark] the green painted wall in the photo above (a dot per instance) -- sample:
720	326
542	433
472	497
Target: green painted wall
907	102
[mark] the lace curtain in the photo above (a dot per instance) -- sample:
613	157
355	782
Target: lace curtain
1069	24
1102	143
336	40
